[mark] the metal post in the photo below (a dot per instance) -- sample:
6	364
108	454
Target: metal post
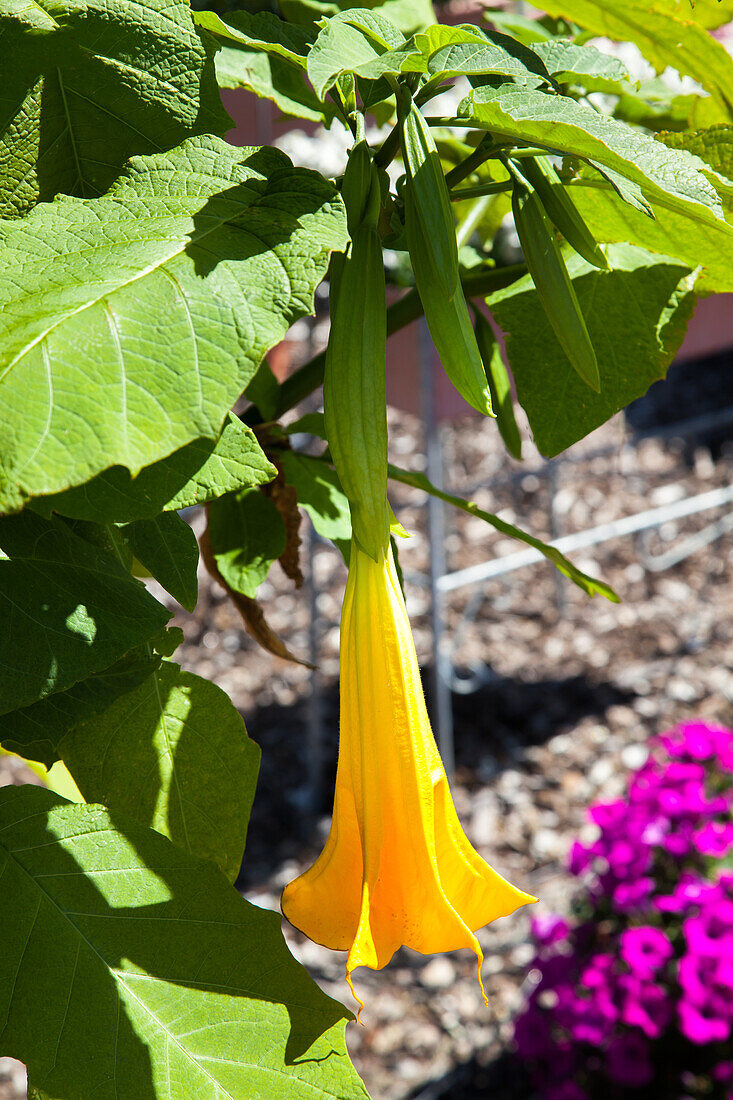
314	709
442	710
552	482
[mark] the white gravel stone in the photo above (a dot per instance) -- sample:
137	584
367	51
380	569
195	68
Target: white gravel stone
440	973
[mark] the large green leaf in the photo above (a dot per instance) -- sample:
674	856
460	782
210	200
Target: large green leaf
168	549
469	50
35	731
345	45
270	78
172	754
667	33
319	494
247	534
261	31
457	51
68	609
195	474
714	145
708	13
569	63
267	55
86	86
672	178
704	244
407	15
590	585
637	315
133	322
132	970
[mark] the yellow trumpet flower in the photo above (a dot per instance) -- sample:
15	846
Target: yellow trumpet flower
397	868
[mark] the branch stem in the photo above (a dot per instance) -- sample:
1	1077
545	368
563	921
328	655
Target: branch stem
401	313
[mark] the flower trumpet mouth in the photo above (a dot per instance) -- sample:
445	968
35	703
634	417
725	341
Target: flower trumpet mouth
397	868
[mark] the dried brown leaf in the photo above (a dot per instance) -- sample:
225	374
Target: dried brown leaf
252	614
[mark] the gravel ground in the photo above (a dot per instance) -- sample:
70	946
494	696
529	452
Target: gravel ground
569	691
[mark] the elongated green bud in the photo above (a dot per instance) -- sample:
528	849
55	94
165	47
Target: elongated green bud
500	386
431	239
354	397
428	191
562	211
555	290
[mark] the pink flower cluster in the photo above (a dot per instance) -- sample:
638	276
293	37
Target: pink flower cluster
635	994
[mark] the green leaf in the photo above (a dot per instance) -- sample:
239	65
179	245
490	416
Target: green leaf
68	609
656	106
454	51
247	534
407	16
637	315
704	245
168	641
174	755
590	585
320	494
175	284
627	191
525	30
469	50
311	423
133	969
268	56
672	178
262	31
168	549
34	732
270	78
86	86
569	63
346	44
714	145
667	33
708	13
264	391
197	473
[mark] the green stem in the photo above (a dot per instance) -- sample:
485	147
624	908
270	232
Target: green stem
480	190
401	313
388	149
526	151
482	153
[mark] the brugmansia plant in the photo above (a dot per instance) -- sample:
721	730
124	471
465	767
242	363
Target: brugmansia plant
148	268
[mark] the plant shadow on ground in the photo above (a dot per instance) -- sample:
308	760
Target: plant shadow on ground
492	728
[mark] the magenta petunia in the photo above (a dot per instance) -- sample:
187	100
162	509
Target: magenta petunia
700	1025
646	1005
645	950
715	838
548	929
648	970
